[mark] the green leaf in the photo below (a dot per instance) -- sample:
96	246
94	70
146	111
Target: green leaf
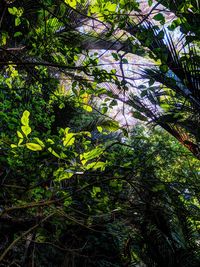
53	152
13	146
40	238
20	141
71	3
62	174
159	17
125	61
165	106
95	191
17	21
17	34
161	35
13	10
26	130
151	82
25	118
163	68
96	165
115	56
86	133
177	22
87	108
150	2
113	103
69	139
111	7
50	141
104	110
33	146
20	135
100	129
68	202
139	116
4	36
39	141
92	154
110	125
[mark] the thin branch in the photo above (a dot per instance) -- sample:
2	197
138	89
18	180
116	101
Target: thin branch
2	256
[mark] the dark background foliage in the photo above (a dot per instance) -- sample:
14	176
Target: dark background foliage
77	189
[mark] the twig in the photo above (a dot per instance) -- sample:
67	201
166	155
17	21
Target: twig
2	256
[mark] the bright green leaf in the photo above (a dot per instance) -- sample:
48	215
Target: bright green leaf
39	141
20	135
50	141
13	146
26	130
71	3
17	21
13	10
69	139
110	6
62	174
53	152
20	141
25	117
4	36
100	129
83	161
92	154
87	108
33	146
96	165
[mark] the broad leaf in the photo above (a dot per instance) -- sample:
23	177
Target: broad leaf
25	117
62	174
92	154
96	165
39	141
33	146
20	135
71	3
26	130
87	108
69	139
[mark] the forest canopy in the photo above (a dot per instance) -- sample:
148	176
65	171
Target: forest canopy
99	133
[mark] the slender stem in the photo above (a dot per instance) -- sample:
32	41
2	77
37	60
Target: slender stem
2	256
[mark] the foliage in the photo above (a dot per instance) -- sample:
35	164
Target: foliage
164	223
76	188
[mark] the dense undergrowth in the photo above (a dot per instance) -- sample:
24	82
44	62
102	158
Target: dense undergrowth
77	189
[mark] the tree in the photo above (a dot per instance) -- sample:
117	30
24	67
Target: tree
173	101
172	91
70	184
